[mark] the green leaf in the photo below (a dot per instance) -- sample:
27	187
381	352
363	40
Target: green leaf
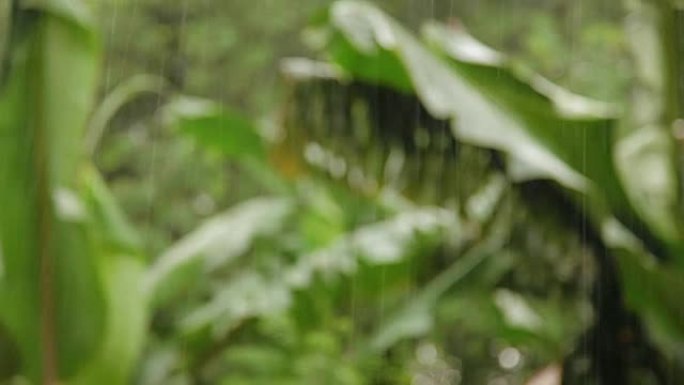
216	127
655	292
444	93
546	131
125	326
214	244
51	299
108	223
121	269
651	289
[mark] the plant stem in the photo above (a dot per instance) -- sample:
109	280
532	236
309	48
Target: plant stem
43	196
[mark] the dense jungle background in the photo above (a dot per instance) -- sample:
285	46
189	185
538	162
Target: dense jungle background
342	192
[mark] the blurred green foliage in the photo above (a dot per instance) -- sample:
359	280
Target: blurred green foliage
230	52
416	209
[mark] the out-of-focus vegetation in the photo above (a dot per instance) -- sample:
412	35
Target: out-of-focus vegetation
406	206
230	52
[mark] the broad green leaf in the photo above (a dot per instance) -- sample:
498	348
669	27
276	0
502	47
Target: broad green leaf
651	289
122	269
214	244
51	299
125	326
573	131
655	292
459	46
444	93
109	224
216	127
545	131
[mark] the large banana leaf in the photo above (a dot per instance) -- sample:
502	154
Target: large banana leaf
50	296
545	131
372	46
62	280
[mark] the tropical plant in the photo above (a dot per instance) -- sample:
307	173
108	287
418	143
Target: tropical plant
71	273
441	215
603	161
519	143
